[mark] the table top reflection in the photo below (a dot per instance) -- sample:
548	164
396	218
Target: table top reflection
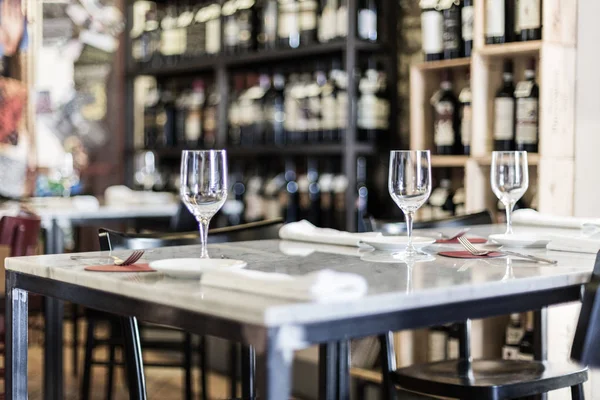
393	285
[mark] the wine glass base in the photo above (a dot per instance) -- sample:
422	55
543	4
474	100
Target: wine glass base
412	257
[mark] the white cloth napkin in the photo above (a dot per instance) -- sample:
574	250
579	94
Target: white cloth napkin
322	286
574	244
122	195
304	231
533	218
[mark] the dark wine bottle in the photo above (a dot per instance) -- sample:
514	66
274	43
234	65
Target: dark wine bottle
527	94
268	15
273	111
452	36
151	109
504	112
233	116
314	191
166	118
196	35
526	350
325	185
292	209
362	193
210	118
432	28
367	20
245	16
466	116
315	110
446	118
288	27
530	19
193	120
467	19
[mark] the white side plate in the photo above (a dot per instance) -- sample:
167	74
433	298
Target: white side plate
521	240
391	243
186	268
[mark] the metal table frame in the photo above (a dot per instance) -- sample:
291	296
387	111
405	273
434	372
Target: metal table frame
273	345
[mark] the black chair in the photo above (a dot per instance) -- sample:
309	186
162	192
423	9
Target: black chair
111	240
475	379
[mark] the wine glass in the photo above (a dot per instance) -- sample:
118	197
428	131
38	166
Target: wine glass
203	187
409	184
510	179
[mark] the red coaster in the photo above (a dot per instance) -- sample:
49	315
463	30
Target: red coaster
117	268
466	254
472	240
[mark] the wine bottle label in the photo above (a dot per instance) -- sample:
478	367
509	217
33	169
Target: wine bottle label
213	36
327	24
308	15
451	36
514	335
467	17
504	111
495	18
466	125
465	95
269	23
523	89
526	357
244	23
231	32
432	25
342	21
444	129
288	21
517	17
193	126
527	121
328	112
367	23
342	109
529	14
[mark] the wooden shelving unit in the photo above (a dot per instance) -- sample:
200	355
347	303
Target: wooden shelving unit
555	55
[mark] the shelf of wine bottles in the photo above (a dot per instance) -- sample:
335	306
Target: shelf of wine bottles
174	37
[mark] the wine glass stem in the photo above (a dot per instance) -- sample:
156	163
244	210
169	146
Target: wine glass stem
509	209
203	224
409	216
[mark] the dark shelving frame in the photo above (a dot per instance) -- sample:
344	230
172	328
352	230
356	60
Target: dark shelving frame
223	64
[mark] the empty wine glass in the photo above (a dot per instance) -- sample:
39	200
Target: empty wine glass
409	184
510	179
203	187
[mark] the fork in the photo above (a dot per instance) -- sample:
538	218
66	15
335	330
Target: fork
476	252
458	234
132	259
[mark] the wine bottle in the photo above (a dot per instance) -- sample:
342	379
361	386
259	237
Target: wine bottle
466	116
150	38
527	94
329	126
210	118
328	21
514	334
530	19
367	110
288	28
499	27
274	112
260	119
362	193
193	120
235	207
314	191
517	34
446	118
292	204
245	16
315	112
254	201
339	187
166	117
441	199
151	110
341	22
432	28
181	113
170	40
467	19
233	115
504	112
231	30
341	79
301	96
248	108
185	21
325	185
526	351
211	15
272	192
452	36
196	34
268	15
291	108
308	21
367	20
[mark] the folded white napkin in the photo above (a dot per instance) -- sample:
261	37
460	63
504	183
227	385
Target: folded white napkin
122	195
304	249
574	244
533	218
323	286
304	231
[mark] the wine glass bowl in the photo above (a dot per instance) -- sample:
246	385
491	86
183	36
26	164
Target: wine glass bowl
509	176
203	187
409	185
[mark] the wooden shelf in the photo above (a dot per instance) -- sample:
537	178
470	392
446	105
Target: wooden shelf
267	150
448	161
444	64
511	49
532	159
210	63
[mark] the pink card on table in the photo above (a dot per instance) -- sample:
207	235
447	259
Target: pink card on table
451	241
466	254
118	268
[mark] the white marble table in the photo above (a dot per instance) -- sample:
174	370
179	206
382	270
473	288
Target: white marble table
399	297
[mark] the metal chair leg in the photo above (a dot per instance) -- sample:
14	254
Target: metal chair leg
133	358
388	366
233	364
75	334
577	392
110	370
87	362
248	372
187	365
203	353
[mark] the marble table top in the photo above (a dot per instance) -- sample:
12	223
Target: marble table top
392	286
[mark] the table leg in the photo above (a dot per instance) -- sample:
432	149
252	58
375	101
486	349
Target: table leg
134	362
248	372
388	365
16	342
540	339
274	373
343	361
53	348
328	374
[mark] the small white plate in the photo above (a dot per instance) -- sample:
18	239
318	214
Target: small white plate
521	240
391	243
187	268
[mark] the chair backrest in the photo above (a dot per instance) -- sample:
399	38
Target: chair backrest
395	227
183	220
112	240
21	234
586	343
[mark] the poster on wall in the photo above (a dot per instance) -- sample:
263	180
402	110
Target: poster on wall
13	99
